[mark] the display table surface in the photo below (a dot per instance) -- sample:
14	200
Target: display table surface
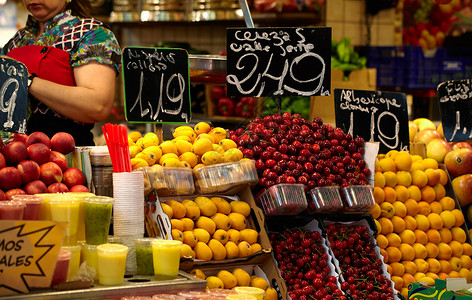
132	286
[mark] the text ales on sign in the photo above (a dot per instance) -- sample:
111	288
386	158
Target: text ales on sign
13	95
264	62
376	116
455	104
156	85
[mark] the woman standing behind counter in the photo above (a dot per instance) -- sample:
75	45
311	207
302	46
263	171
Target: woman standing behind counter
72	62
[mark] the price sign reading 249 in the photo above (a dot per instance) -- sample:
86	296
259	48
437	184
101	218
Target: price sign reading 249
278	61
376	116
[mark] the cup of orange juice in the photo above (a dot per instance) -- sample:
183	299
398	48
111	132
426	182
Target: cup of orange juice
111	263
66	209
166	258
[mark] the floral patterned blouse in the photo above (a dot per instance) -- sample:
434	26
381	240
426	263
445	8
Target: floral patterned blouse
86	39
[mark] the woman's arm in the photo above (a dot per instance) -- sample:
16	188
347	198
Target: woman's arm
89	102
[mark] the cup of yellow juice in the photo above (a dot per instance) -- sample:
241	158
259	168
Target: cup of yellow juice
66	209
111	263
45	208
74	261
166	258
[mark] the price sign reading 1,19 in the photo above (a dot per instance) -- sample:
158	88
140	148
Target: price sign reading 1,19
456	109
278	61
375	116
156	85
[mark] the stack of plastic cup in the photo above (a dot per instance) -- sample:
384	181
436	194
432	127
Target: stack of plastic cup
128	212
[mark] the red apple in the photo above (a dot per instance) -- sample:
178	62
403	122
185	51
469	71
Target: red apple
36	187
50	173
79	189
2	196
459	161
15	152
29	171
16	191
38	137
60	159
458	145
437	149
10	178
22	137
73	176
39	152
58	187
62	142
462	186
3	162
426	135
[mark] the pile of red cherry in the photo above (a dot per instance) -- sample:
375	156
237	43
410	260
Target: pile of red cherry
361	269
303	264
289	149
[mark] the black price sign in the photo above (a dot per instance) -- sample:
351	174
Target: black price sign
13	95
456	109
264	62
156	85
376	116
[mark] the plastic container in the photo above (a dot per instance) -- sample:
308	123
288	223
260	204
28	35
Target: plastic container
358	198
325	199
166	181
222	177
166	258
97	217
62	267
111	263
11	210
283	199
102	171
194	295
168	297
89	252
74	262
33	205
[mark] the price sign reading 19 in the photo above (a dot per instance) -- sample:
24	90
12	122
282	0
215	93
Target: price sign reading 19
278	61
455	103
375	116
156	85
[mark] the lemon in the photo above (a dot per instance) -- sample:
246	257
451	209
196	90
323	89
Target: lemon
168	147
202	146
154	150
205	136
183	146
211	158
232	155
218	133
214	282
227	144
150	139
130	142
183	127
149	157
202	127
133	150
190	158
140	143
135	135
189	133
172	162
183	138
166	156
137	163
218	149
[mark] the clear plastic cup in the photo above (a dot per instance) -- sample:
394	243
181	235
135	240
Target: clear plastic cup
111	263
166	259
97	215
66	209
33	205
45	209
113	239
74	262
11	210
62	267
195	295
90	254
81	196
251	291
144	260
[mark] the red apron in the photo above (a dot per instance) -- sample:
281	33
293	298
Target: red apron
51	64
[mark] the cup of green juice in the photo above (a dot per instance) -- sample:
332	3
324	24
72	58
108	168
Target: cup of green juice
97	217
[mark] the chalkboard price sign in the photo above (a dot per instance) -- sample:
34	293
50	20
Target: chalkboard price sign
455	104
376	116
13	95
264	62
156	85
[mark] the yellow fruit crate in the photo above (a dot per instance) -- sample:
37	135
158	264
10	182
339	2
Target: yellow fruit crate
223	177
167	181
